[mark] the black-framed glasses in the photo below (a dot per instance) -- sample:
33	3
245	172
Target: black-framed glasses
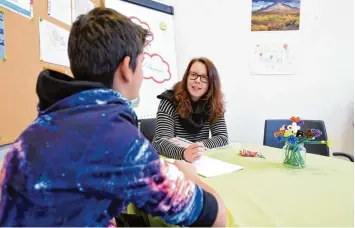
194	76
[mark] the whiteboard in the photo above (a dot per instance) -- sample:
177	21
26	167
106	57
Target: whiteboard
159	65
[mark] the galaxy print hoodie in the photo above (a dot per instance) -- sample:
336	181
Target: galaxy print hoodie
82	161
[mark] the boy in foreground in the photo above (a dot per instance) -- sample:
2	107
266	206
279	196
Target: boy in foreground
82	161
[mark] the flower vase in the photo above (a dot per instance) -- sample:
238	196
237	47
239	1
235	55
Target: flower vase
294	156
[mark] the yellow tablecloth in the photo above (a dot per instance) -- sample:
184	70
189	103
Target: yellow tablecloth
265	193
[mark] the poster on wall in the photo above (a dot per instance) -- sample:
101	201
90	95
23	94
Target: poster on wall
272	59
81	7
275	15
53	43
2	37
23	7
60	10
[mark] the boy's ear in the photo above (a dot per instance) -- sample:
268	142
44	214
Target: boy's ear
125	70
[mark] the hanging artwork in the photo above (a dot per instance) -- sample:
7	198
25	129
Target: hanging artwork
275	15
272	59
22	7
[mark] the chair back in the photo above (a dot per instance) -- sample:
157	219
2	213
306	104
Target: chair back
147	128
273	125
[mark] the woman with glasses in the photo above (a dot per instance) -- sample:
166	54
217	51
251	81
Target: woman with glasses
191	110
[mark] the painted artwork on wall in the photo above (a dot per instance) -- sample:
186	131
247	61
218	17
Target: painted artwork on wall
275	15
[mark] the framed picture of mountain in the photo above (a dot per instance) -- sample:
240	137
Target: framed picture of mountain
275	15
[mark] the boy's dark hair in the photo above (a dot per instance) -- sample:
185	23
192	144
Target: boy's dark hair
98	43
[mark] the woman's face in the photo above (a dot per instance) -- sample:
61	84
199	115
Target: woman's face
197	80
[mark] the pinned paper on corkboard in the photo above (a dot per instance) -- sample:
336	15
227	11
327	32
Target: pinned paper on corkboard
23	7
2	37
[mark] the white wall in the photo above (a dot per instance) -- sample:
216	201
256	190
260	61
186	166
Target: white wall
321	89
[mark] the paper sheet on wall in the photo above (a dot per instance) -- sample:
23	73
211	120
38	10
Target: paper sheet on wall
81	7
53	43
2	37
60	10
23	7
206	166
272	59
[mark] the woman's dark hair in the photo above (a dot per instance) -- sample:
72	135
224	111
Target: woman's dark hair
213	95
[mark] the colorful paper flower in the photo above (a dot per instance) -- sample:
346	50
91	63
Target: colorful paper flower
309	133
283	128
300	123
293	135
288	133
293	140
295	119
295	127
277	133
316	132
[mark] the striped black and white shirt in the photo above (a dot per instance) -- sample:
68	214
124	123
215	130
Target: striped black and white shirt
168	126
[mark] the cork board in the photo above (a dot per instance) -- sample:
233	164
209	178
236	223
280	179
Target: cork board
18	74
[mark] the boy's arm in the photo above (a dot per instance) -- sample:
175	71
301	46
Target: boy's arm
130	170
190	172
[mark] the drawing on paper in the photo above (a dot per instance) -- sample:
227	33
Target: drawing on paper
57	40
80	7
53	43
156	68
274	59
60	10
275	15
144	25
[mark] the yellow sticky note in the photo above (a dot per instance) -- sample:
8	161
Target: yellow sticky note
163	26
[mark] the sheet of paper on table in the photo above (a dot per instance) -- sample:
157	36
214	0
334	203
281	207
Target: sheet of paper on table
206	166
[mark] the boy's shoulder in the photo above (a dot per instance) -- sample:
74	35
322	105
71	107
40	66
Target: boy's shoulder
69	140
89	121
